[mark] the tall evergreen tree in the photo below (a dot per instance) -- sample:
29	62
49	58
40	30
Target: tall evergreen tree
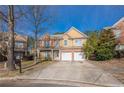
106	45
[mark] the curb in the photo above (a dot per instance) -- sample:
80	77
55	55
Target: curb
56	81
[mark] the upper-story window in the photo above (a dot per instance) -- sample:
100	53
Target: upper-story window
65	42
19	44
78	42
117	33
47	44
56	44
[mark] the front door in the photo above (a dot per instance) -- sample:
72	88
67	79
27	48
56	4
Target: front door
56	54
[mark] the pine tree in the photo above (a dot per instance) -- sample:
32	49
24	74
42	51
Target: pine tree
106	45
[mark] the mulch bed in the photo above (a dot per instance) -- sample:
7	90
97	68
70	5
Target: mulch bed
1	66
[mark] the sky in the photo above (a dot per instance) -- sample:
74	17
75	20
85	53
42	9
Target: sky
84	18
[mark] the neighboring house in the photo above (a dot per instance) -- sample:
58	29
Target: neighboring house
63	47
2	47
118	29
20	43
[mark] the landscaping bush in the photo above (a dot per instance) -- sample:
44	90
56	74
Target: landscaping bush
2	58
29	57
48	58
104	54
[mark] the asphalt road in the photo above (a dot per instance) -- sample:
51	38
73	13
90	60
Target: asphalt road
28	84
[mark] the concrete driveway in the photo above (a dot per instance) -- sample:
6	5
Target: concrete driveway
84	73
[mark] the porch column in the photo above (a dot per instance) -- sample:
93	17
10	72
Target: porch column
52	54
38	53
60	55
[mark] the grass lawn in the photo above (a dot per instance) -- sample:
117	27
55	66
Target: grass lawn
115	67
27	66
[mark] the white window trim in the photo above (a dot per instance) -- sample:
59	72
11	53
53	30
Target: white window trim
66	42
78	40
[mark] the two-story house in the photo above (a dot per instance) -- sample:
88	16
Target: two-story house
63	47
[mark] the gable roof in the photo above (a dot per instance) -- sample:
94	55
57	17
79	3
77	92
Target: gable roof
21	38
18	37
59	36
119	27
121	20
84	35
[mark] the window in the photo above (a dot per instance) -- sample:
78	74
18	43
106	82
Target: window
56	44
78	42
117	33
47	44
19	44
65	42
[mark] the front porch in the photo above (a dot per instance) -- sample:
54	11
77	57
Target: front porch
49	54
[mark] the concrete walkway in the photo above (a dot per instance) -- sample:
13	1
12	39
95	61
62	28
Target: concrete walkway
74	72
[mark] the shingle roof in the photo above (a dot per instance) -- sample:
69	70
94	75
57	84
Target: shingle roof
21	38
118	22
59	36
84	35
17	36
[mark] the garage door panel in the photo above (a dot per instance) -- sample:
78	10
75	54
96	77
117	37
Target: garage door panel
66	56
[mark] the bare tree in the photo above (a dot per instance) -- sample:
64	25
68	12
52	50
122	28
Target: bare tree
36	15
9	18
10	21
11	65
38	18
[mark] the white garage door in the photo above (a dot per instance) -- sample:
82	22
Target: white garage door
66	56
79	56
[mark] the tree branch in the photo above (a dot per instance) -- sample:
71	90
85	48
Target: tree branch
19	16
4	17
